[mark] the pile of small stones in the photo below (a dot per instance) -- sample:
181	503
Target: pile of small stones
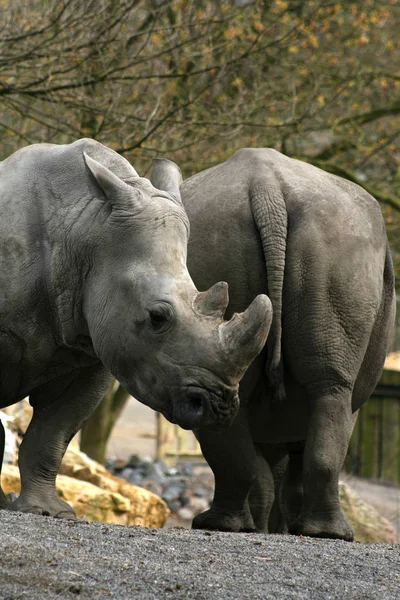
187	488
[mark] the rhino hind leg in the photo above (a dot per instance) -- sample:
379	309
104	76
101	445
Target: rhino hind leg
52	427
292	490
264	499
378	346
3	498
331	425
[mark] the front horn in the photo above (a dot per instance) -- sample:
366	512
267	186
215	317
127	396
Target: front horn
244	336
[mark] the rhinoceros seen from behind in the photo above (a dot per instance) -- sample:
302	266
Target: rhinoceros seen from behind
94	284
316	244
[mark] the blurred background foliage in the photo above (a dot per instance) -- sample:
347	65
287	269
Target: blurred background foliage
194	80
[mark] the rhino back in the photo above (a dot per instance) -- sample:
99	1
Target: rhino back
333	253
321	209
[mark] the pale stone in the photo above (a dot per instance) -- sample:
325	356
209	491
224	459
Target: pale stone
147	508
21	414
10	479
10	442
92	502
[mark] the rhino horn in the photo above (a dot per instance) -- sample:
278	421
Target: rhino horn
113	187
244	336
167	176
213	302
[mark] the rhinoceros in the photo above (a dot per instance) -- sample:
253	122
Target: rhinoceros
316	244
94	285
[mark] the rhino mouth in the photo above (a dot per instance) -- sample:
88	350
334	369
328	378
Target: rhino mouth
195	407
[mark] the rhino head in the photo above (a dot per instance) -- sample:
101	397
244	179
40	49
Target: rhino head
166	342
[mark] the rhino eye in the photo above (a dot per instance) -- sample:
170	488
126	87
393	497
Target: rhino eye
160	318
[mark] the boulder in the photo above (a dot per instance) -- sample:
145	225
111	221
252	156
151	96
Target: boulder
368	524
21	414
145	507
10	442
136	507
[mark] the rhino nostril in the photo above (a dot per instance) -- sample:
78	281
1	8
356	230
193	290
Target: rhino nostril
196	401
190	408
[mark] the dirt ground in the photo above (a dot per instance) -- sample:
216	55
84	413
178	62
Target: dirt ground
43	558
134	432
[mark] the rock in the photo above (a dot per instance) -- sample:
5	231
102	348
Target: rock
199	505
368	524
11	442
146	508
134	462
95	493
187	470
185	513
156	473
21	414
131	475
152	486
172	492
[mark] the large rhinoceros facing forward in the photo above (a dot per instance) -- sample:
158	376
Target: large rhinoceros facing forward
316	244
93	282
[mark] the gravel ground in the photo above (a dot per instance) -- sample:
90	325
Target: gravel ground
44	558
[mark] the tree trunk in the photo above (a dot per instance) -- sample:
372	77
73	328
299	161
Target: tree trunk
97	429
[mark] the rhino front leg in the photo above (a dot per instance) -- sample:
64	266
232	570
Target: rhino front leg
233	459
57	417
328	436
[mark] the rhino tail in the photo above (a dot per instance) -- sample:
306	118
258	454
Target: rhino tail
270	215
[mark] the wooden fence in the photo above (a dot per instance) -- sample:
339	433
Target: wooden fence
173	443
374	450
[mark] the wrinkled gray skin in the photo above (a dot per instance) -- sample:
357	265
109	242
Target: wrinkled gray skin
94	284
316	244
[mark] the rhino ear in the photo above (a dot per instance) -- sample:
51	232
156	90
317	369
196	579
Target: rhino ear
167	176
115	190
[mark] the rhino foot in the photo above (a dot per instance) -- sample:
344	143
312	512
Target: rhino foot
3	500
224	520
337	528
50	508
